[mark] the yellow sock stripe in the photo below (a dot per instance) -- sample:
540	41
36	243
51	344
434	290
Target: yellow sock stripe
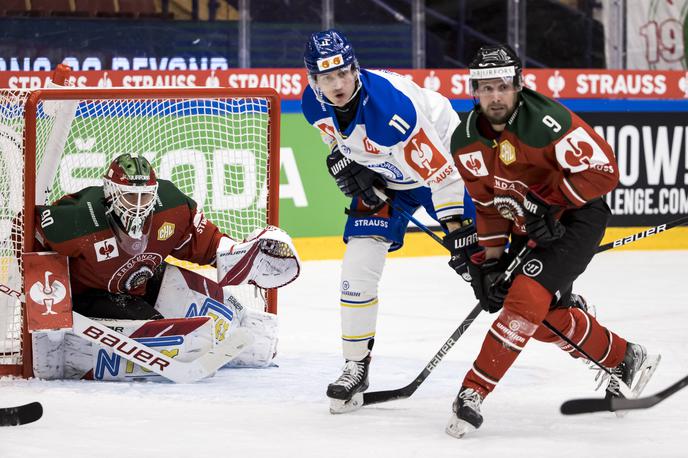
449	204
359	305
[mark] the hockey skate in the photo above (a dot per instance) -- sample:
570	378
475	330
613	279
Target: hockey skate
637	366
346	393
466	417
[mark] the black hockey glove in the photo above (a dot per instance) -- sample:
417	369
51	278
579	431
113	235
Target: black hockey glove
484	274
541	224
462	243
353	179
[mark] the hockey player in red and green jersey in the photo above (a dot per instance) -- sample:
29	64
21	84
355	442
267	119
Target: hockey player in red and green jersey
118	235
535	171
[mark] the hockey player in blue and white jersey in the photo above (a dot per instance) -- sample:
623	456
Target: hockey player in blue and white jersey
383	131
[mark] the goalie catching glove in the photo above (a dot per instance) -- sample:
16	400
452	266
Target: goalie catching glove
267	259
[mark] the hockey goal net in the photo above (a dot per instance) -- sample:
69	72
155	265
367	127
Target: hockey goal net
219	146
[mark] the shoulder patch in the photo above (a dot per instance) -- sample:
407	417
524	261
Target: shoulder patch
578	151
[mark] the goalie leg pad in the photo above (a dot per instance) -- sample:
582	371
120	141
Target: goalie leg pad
184	293
72	357
261	352
362	267
48	350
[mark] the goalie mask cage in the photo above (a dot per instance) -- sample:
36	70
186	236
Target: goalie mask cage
220	146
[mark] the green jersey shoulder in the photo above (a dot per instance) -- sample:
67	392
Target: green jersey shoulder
537	122
83	213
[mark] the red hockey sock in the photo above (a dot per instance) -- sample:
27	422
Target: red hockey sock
524	308
584	330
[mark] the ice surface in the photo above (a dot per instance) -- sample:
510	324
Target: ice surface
283	412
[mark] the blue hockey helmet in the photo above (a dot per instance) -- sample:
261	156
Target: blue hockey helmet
327	51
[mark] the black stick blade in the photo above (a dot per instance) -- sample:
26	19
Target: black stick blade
588	405
21	415
375	397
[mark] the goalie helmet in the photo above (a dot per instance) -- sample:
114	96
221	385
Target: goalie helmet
130	187
327	51
496	61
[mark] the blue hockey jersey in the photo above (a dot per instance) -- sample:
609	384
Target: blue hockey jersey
401	131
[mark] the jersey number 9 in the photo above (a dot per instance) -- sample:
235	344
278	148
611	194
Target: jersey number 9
551	123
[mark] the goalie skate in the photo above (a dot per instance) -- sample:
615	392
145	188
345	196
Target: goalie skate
346	393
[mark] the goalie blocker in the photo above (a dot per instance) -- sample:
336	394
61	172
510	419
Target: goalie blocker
200	317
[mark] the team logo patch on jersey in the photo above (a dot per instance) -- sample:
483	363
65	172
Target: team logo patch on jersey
134	273
507	152
165	231
577	151
106	249
474	163
422	155
508	207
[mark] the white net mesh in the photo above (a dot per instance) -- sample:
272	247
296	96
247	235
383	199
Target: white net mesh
11	204
215	150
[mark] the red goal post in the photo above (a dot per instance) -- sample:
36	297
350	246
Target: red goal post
218	145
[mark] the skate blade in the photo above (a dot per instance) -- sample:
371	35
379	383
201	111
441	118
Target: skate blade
338	406
646	371
458	428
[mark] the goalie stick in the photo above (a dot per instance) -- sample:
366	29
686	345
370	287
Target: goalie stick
21	415
589	405
374	397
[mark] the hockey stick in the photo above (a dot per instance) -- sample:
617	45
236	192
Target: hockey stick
21	415
589	405
375	397
641	235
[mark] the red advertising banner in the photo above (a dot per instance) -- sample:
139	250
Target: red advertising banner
290	82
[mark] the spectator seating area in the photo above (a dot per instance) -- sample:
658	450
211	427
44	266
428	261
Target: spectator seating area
84	8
